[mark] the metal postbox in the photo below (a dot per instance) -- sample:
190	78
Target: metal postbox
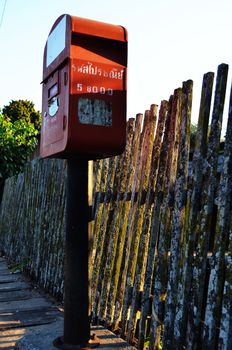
84	89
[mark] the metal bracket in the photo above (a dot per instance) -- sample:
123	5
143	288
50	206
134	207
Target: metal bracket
93	343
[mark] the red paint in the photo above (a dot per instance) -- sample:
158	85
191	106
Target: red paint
85	87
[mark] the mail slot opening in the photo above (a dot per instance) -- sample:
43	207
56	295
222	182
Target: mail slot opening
53	91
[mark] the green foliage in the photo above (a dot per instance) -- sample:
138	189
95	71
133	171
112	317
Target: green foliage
18	136
147	344
20	266
23	109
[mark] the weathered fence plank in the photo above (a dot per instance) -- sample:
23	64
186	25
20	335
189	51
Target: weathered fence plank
224	237
104	233
194	195
117	289
143	228
179	219
152	263
173	144
217	264
114	229
100	193
133	233
207	200
156	164
113	254
182	209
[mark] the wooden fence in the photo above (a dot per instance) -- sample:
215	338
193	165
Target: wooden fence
162	254
161	269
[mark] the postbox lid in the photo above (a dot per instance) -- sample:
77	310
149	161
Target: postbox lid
60	38
99	29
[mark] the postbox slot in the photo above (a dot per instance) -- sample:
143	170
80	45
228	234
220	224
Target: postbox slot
53	85
113	50
53	91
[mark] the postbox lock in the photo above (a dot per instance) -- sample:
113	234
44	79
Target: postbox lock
64	122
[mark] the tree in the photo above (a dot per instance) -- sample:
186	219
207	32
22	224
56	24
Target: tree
19	129
23	109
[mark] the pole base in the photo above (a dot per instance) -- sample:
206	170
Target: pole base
93	343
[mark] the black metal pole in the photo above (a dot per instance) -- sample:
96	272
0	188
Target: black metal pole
76	301
76	298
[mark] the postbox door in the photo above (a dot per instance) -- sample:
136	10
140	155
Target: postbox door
55	113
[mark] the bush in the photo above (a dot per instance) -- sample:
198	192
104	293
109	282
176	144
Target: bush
19	129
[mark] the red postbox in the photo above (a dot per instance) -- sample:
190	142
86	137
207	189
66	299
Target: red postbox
84	89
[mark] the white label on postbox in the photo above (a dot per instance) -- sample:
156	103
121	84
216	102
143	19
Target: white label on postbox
95	112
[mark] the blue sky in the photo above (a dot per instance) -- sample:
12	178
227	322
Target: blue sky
169	41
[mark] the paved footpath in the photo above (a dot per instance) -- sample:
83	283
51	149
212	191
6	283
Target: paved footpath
31	320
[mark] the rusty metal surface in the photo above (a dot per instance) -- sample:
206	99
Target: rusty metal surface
93	343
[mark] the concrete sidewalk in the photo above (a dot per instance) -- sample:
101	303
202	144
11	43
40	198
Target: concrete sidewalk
31	320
